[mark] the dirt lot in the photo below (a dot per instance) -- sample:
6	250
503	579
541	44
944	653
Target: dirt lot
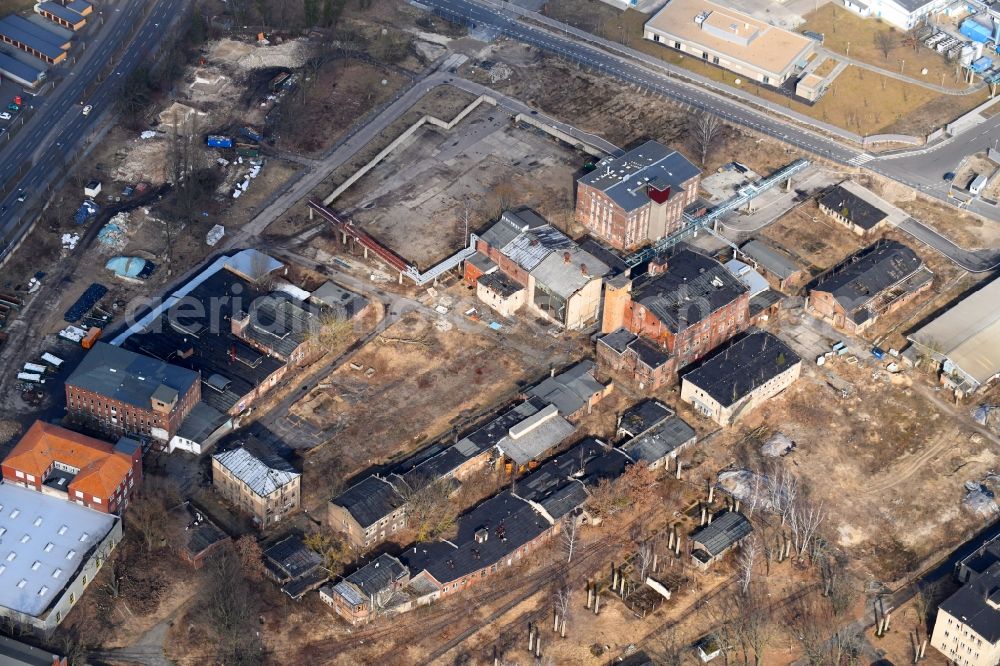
342	93
612	110
892	460
812	238
408	402
967	230
415	200
841	28
883	100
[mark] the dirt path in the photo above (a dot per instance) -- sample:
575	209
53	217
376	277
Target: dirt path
147	650
898	475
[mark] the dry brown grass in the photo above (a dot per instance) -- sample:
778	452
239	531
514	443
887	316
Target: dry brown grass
814	239
860	101
840	28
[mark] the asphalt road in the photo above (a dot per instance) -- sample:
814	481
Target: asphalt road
921	169
57	126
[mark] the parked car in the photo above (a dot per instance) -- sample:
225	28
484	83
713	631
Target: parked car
5	116
13	107
87	109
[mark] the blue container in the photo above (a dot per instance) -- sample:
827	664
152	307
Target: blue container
976	31
216	141
251	134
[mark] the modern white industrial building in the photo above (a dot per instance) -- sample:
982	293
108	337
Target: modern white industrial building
50	551
901	13
730	39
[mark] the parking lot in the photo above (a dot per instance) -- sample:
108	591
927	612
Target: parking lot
8	90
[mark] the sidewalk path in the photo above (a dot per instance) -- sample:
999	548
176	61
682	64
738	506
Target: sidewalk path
944	90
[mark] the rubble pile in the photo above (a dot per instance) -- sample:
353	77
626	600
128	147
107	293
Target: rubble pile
114	234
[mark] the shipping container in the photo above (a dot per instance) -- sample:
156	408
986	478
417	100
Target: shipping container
976	31
52	360
218	141
92	336
977	184
30	377
34	367
251	133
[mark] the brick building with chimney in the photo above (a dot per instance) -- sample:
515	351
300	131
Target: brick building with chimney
637	198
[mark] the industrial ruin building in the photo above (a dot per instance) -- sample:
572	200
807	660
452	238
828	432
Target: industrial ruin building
687	304
738	378
869	284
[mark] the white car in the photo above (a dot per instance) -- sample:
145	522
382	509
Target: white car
87	109
5	116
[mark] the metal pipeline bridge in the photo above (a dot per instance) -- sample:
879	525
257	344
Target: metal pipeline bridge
693	223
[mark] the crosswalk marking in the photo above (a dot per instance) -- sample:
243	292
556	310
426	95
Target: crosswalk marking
858	160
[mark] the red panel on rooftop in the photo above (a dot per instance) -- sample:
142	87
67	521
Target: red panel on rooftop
658	196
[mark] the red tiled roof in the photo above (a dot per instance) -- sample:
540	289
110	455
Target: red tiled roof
102	469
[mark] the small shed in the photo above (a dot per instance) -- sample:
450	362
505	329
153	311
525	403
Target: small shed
725	531
92	189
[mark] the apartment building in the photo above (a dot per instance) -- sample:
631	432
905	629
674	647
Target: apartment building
967	627
266	487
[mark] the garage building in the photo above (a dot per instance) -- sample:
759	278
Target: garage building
28	37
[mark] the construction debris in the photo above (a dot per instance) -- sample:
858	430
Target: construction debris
214	235
779	445
69	241
114	234
979	499
500	72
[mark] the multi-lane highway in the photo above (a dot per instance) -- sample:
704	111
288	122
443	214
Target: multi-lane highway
921	169
42	148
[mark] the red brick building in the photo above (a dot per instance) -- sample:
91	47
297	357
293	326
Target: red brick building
638	198
687	304
873	282
66	464
649	366
124	393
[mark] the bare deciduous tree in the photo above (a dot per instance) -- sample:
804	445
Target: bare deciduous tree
885	41
644	557
804	519
570	534
562	601
251	557
811	618
429	509
231	610
782	490
335	550
148	514
749	554
704	129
